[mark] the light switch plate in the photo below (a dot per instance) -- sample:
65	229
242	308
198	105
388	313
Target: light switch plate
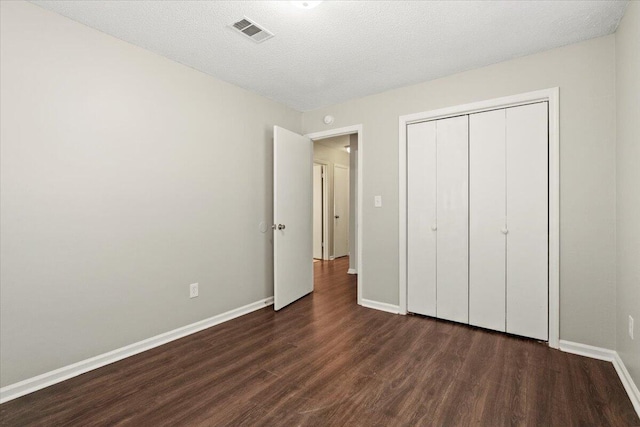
377	201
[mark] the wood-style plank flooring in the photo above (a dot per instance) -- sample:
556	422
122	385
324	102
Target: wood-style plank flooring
325	361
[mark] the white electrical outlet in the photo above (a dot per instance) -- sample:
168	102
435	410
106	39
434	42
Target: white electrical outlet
631	327
193	290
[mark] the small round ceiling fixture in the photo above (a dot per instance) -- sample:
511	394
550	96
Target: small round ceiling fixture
306	4
328	120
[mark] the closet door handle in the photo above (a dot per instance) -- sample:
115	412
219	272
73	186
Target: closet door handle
434	227
504	230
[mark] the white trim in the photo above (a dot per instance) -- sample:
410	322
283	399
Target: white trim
486	105
47	379
382	306
325	208
553	96
587	350
550	95
348	130
609	356
352	271
627	382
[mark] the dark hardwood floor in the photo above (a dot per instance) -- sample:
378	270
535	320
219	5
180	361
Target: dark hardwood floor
326	361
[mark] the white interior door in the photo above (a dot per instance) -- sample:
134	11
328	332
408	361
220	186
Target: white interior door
292	216
487	219
341	211
317	211
421	218
527	221
452	213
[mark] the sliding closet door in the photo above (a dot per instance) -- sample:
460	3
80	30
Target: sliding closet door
527	221
487	219
421	218
452	208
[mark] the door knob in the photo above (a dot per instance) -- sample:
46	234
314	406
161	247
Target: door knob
281	227
504	230
434	227
337	216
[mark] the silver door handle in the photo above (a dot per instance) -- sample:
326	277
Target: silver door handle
280	226
504	230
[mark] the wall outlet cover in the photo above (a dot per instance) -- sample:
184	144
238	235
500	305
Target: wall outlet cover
193	290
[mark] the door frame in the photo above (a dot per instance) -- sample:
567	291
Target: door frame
348	130
552	96
338	165
325	208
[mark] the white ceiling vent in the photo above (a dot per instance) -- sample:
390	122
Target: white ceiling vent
252	30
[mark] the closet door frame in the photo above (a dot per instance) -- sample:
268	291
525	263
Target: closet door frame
552	96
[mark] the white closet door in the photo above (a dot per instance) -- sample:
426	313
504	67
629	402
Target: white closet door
421	216
487	211
527	221
452	208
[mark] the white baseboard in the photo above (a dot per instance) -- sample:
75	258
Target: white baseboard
352	271
610	356
627	382
382	306
587	350
47	379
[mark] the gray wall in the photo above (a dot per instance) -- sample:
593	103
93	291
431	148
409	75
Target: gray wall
124	178
628	186
585	73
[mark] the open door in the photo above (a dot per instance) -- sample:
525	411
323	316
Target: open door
340	211
292	217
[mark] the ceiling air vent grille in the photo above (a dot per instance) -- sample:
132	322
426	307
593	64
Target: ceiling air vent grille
252	30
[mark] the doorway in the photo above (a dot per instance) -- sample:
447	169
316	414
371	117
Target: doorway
353	163
332	202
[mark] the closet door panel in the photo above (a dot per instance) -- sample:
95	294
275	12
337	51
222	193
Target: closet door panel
421	216
452	219
527	221
487	210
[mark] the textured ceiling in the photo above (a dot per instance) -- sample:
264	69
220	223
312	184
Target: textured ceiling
344	49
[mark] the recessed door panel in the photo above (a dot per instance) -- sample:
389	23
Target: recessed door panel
421	217
452	291
527	220
487	219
